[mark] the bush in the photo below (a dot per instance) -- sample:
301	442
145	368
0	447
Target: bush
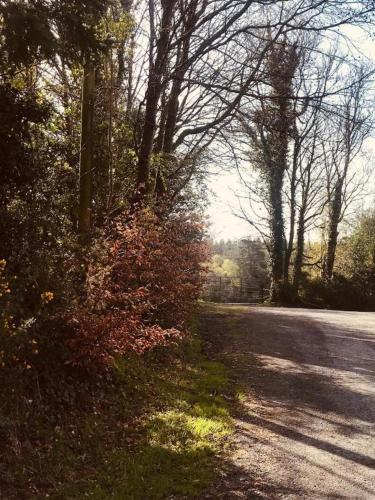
147	276
337	293
143	293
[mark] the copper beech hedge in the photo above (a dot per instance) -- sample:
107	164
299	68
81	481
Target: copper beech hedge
141	295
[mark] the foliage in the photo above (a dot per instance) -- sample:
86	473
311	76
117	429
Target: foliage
221	266
143	292
357	251
19	111
75	312
155	426
36	31
337	293
237	271
353	283
246	257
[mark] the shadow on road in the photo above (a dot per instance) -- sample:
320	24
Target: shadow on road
300	371
311	441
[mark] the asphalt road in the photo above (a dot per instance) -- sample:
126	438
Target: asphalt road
305	426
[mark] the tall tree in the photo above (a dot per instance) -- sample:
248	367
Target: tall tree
350	127
157	68
270	134
86	151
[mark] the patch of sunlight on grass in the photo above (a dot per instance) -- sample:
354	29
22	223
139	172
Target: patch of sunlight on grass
156	472
176	456
172	448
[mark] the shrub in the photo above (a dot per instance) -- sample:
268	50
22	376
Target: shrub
337	293
143	293
146	277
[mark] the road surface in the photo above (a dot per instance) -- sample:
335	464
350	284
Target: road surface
305	427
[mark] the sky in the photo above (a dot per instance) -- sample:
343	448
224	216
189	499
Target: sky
224	224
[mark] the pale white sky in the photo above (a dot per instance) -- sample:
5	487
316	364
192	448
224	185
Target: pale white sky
224	224
223	201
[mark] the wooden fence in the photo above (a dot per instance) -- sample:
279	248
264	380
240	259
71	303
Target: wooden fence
233	289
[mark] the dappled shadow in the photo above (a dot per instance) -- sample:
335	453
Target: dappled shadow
277	490
288	432
316	355
236	483
315	333
301	371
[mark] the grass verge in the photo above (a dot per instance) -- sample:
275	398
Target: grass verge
170	448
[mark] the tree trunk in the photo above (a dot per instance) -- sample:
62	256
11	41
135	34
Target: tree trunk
154	89
300	248
333	223
293	186
171	120
173	104
277	234
130	69
110	133
86	152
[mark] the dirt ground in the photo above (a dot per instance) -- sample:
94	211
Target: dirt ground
305	425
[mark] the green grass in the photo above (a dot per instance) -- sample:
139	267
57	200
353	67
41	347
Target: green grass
172	448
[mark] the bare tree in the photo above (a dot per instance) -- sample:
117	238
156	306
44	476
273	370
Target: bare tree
348	130
304	189
199	68
311	201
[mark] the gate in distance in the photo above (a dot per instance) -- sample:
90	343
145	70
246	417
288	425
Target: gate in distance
233	289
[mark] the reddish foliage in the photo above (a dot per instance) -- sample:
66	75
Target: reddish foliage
145	293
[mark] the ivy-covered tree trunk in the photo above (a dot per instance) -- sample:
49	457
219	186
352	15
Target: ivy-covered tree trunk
277	246
275	121
333	223
292	219
86	152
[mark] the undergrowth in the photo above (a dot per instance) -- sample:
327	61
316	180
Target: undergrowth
155	433
174	452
